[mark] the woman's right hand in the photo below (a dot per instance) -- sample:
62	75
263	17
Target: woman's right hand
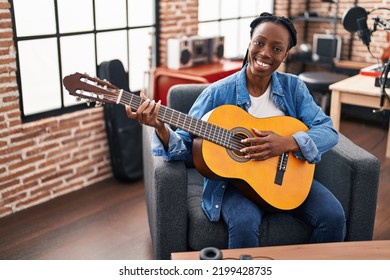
146	113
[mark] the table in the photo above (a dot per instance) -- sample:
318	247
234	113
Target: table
351	250
164	78
357	90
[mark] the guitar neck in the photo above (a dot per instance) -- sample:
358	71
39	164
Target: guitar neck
199	128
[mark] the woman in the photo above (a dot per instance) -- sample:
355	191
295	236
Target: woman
262	92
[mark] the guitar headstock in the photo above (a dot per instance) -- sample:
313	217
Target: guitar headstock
91	89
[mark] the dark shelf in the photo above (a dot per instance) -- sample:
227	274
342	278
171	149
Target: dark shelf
316	19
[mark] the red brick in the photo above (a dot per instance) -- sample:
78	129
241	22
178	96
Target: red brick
12	199
12	176
14	191
33	201
17	148
42	149
39	175
25	162
5	6
54	161
6	159
4	211
8	184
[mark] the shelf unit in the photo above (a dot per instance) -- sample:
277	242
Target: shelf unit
309	17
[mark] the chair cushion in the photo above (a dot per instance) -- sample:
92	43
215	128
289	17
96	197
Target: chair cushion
276	228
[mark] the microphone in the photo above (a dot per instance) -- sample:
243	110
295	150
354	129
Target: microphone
351	16
364	32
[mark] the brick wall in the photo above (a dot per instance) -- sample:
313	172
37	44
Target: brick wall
51	157
177	18
47	158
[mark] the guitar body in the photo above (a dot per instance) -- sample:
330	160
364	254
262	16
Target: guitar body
256	179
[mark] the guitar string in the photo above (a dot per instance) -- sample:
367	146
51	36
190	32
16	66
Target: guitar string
233	143
235	139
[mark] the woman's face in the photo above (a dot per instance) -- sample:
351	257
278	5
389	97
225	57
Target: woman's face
268	48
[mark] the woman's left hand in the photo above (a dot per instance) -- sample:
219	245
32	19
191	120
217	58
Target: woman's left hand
267	144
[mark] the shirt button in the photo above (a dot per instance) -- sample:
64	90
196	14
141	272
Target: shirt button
217	206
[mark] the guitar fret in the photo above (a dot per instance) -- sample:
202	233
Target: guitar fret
190	123
131	99
215	133
179	120
119	96
184	122
223	137
164	113
204	131
170	120
226	138
219	133
212	134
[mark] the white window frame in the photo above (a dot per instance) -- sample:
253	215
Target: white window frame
41	91
231	19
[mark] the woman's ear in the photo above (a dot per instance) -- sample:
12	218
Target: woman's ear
285	56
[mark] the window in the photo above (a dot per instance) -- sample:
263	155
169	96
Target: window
231	19
61	37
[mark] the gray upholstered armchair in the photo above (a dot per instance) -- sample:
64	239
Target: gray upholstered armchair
173	195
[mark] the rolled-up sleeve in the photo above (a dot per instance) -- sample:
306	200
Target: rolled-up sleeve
177	149
308	149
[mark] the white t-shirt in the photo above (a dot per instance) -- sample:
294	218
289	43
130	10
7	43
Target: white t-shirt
263	106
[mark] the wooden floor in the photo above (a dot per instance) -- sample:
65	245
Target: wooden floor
109	220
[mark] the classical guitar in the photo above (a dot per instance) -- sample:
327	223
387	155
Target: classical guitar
281	182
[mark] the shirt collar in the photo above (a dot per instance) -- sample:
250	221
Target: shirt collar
242	91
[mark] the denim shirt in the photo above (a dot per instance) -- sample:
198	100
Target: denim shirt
290	95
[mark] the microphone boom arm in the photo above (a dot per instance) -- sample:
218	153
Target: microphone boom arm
382	23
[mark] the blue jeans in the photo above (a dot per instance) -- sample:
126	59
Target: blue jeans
321	210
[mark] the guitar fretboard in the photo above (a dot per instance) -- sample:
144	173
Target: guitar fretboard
200	128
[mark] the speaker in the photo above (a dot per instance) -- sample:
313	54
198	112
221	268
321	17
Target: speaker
216	49
189	51
179	53
210	253
200	50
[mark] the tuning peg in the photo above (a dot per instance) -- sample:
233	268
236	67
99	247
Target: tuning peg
98	104
88	102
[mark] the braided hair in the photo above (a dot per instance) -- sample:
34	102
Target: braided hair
267	17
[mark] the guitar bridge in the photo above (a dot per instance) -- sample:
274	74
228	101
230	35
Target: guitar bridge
282	166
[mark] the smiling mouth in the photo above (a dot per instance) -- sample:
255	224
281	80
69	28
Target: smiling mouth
262	64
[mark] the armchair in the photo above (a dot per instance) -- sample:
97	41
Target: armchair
173	195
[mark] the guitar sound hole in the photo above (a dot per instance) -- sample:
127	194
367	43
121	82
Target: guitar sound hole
234	152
